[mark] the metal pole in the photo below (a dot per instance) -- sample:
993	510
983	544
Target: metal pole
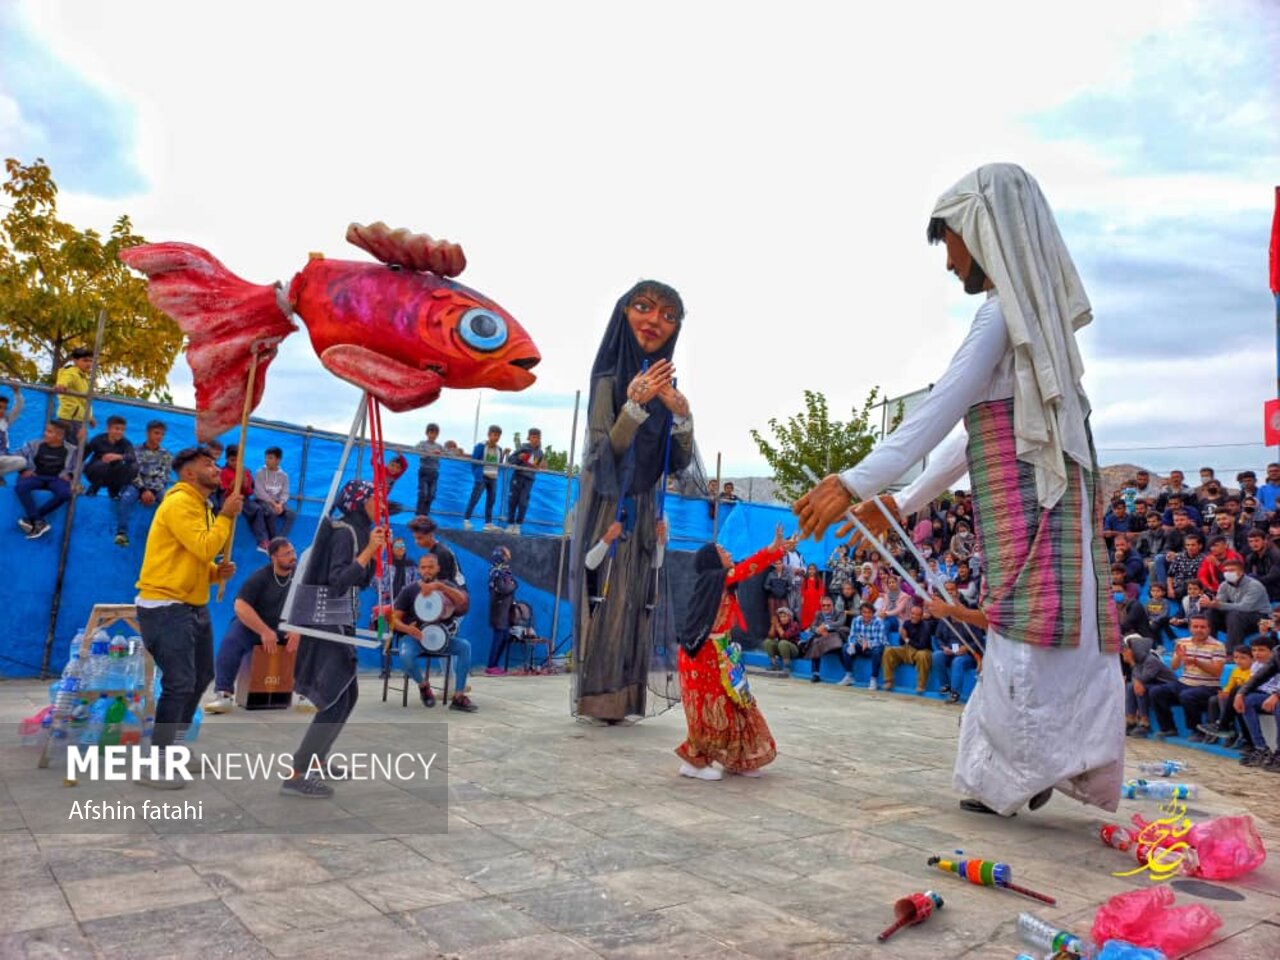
715	504
302	468
56	603
565	531
475	432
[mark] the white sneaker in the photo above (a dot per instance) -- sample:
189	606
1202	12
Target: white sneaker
513	528
871	685
700	773
222	703
848	680
492	527
750	773
303	705
466	525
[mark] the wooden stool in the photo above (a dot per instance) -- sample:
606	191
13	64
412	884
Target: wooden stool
265	680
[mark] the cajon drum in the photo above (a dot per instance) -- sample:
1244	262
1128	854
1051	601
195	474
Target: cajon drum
265	680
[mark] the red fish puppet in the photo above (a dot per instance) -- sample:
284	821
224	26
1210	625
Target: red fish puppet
400	329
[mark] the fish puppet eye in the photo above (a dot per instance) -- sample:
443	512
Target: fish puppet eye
482	329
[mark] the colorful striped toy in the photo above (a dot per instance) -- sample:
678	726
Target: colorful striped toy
987	873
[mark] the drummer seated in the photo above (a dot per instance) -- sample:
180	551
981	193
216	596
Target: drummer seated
433	607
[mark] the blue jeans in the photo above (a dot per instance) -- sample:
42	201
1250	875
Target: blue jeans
891	625
1161	570
487	486
501	637
1252	703
518	498
876	653
26	486
180	640
277	524
412	657
237	643
961	664
426	491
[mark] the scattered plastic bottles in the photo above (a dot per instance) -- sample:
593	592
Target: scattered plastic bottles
135	665
77	643
131	722
79	721
46	728
97	722
1118	837
95	670
1045	936
115	719
69	688
117	654
1162	790
29	728
1162	768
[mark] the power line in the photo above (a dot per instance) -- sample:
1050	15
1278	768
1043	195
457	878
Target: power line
1185	446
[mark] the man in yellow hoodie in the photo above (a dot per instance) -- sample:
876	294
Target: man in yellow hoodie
179	566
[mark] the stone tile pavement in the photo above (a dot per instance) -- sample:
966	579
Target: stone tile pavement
575	841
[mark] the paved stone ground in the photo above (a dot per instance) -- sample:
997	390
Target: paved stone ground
567	840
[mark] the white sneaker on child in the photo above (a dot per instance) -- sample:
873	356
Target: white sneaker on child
872	684
700	773
848	680
222	703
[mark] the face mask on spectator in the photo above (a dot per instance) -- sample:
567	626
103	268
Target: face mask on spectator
1231	576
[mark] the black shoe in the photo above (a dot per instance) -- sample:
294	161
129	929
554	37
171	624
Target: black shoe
427	694
309	788
122	539
1198	737
1140	731
1273	764
1256	758
1212	731
1235	743
462	702
815	679
1040	799
977	806
953	697
946	688
26	526
38	530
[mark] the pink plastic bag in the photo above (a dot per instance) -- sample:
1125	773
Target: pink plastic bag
1148	918
1225	847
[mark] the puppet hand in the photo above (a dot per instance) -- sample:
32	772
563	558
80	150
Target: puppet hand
647	384
822	506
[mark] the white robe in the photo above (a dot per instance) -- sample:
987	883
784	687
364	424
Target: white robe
1040	717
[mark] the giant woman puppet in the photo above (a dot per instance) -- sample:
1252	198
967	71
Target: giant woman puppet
1049	710
638	429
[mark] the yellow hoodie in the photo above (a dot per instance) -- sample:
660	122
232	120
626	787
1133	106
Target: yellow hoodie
184	539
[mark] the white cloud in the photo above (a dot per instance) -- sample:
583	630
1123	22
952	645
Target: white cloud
777	165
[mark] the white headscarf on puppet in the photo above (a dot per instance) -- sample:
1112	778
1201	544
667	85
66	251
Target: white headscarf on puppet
1005	221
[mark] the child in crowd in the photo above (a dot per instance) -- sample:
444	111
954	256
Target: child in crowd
1160	615
430	451
252	511
73	383
1260	693
1221	712
1190	603
9	462
488	457
271	486
47	464
528	457
777	585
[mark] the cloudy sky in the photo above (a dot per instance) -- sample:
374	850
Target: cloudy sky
777	168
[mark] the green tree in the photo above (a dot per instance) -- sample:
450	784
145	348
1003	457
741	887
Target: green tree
55	277
812	440
556	460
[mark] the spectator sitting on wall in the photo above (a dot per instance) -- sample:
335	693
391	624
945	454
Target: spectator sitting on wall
963	541
73	383
259	604
892	606
271	488
1148	676
1118	520
430	451
1260	693
409	624
777	586
1129	611
48	464
1262	562
841	569
1222	717
488	460
252	511
1238	605
1143	487
1190	604
847	603
1210	572
111	462
812	590
1176	486
1151	541
866	639
1179	502
154	464
9	462
782	645
967	584
1224	525
1269	493
527	458
1135	571
1201	659
916	649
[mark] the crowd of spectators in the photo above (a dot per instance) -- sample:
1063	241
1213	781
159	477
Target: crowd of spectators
1195	577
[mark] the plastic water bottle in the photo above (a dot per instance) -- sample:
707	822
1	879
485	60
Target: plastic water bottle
69	688
117	654
1045	936
1161	768
1117	837
1161	790
77	642
95	674
97	722
135	665
131	723
46	728
79	720
115	719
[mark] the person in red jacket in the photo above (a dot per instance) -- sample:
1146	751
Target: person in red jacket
252	512
1210	574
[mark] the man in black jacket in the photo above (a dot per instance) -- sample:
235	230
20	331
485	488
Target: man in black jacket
1262	562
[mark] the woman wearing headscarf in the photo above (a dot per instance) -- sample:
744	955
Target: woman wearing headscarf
1048	712
342	559
502	593
725	725
638	425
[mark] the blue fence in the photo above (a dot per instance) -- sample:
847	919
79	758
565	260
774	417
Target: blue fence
100	572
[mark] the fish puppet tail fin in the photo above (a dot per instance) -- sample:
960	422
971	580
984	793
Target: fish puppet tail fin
225	320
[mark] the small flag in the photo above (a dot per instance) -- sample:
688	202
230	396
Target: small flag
1271	423
1275	248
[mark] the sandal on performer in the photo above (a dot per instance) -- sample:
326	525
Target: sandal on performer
977	806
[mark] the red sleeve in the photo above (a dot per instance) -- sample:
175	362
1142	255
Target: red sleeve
754	564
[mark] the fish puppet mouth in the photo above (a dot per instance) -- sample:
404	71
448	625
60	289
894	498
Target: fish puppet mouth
400	386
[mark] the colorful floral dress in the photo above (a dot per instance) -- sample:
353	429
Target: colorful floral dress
725	724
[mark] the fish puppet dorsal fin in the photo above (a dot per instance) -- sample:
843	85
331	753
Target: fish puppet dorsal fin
416	251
